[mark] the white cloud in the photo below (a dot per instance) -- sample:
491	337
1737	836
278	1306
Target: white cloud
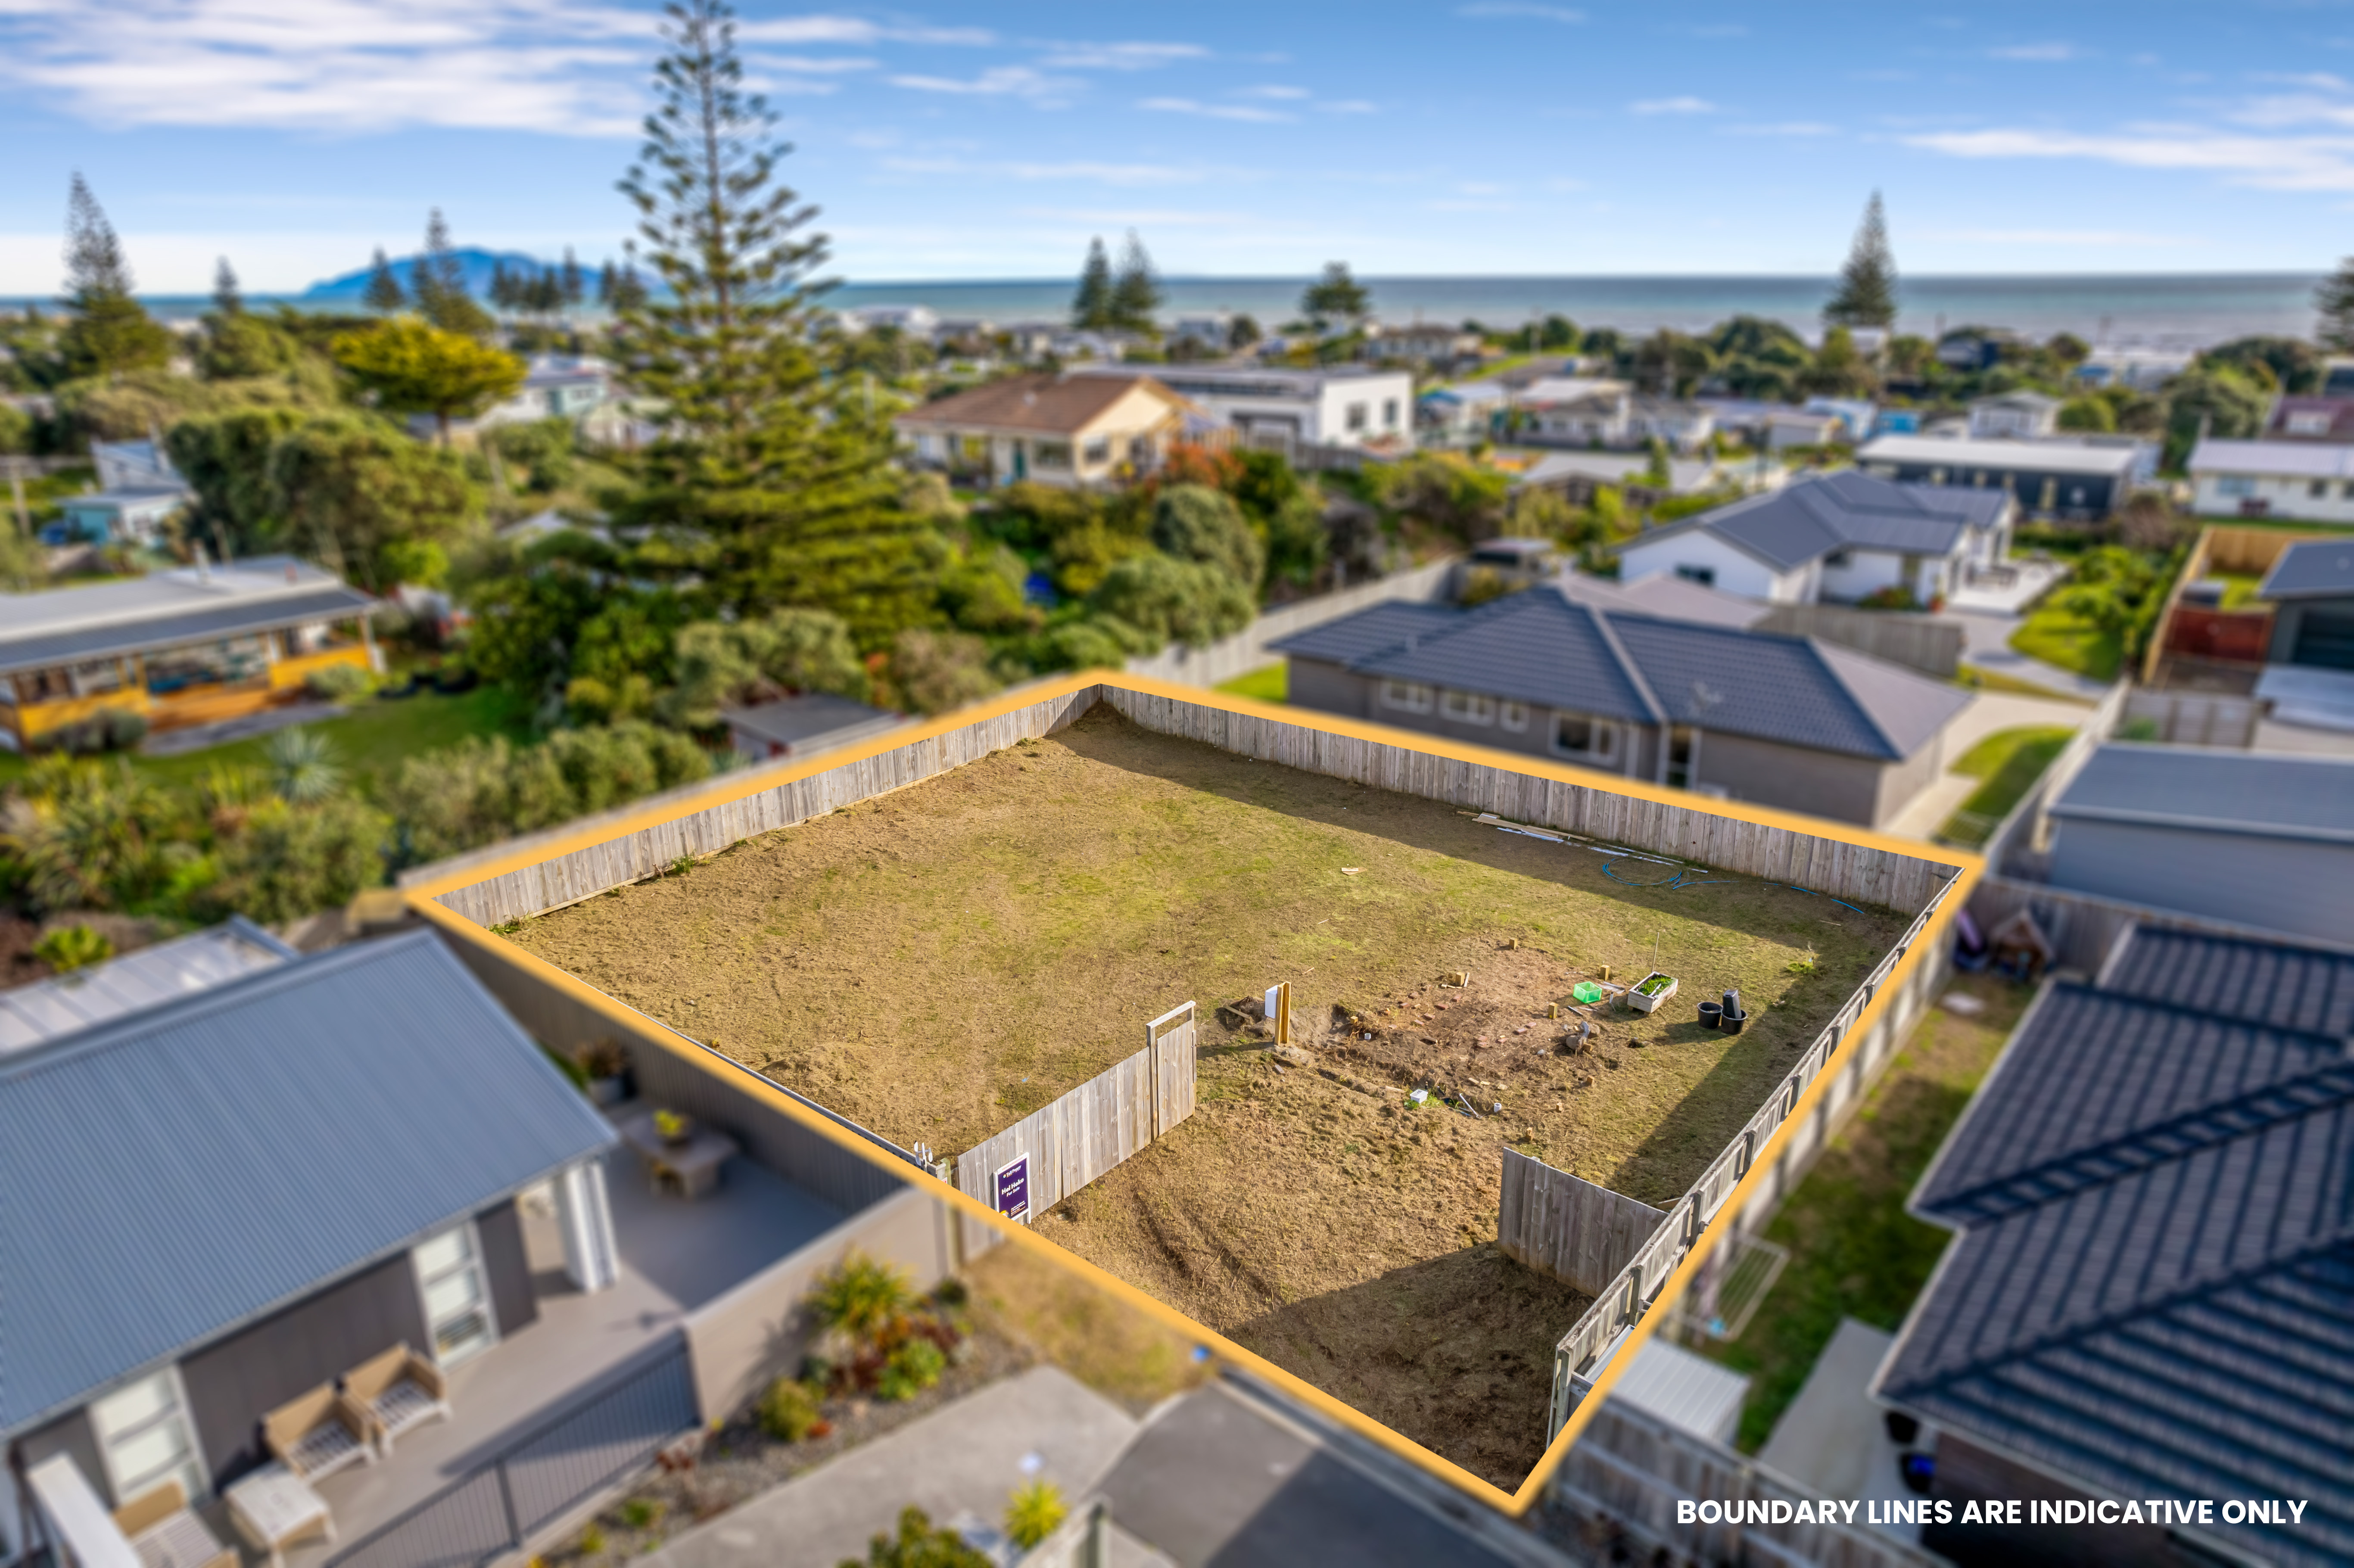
809	65
1280	94
997	81
1785	128
2046	54
1485	8
1685	105
829	29
337	65
2107	239
1346	106
2285	163
1216	111
1121	56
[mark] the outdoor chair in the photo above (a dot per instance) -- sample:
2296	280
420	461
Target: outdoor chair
166	1533
396	1391
318	1434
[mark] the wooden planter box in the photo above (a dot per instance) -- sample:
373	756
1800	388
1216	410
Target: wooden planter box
1643	998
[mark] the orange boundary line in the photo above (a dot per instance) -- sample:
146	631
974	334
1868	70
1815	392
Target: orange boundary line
422	899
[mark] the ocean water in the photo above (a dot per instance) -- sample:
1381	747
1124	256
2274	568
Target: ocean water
2151	310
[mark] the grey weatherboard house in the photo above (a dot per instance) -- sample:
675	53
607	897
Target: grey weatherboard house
2150	1292
2311	589
1791	722
210	1206
2256	838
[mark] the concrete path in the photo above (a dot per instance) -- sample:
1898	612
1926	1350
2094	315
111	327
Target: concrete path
1989	713
957	1465
197	738
1832	1437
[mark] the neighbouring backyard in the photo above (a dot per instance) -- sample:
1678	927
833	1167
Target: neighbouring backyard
2007	763
1270	684
939	962
2062	638
1854	1252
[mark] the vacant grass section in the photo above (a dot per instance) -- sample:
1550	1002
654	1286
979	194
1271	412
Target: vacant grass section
940	962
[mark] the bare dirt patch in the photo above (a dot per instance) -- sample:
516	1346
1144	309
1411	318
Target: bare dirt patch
941	962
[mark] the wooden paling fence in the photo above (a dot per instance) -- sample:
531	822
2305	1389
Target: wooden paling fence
1568	1228
1085	1133
1907	883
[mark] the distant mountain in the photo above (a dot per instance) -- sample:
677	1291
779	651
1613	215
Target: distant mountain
477	265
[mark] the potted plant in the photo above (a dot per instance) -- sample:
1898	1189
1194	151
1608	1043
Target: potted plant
674	1128
607	1070
1653	989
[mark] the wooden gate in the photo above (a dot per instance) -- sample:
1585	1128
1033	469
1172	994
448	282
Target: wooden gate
1170	1041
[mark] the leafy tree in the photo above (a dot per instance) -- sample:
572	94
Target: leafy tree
239	346
485	790
1242	332
938	671
2096	415
1557	333
1866	296
1671	363
379	509
1165	599
225	458
569	281
1195	523
2212	400
414	367
1447	495
982	591
384	294
226	297
772	481
111	332
288	860
1839	371
2292	364
1135	291
1091	309
2334	300
1336	297
723	664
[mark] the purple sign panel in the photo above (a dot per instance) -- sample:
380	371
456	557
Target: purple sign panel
1013	1188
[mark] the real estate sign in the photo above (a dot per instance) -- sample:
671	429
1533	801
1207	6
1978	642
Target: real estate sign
1013	1188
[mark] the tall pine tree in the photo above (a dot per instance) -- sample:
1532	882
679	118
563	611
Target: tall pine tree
384	294
1091	306
1136	293
772	481
228	298
1867	288
2334	300
111	332
439	282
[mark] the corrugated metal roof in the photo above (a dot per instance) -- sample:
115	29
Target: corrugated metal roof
1541	647
812	721
2154	1289
2237	977
1683	1390
172	1175
206	623
2314	568
2274	460
2273	795
152	976
1960	454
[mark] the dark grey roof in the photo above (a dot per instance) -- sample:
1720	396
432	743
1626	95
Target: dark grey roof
2153	1292
811	721
2312	568
1368	631
1817	513
167	1176
207	624
1541	647
1667	596
2237	977
2267	794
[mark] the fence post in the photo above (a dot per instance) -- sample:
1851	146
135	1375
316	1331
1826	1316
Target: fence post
506	1502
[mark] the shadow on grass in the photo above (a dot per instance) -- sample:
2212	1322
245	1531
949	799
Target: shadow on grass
1456	1353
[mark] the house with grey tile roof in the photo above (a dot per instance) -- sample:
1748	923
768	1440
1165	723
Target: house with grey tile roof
2257	838
1790	722
2150	1289
1839	538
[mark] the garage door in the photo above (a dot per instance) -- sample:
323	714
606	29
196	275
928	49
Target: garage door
2326	639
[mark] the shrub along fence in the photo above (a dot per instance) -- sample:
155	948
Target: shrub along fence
1056	1151
1568	1228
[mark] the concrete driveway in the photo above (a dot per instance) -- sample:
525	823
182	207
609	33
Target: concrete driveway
1989	713
957	1464
1986	645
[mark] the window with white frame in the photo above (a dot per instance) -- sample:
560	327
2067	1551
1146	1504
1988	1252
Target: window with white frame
1096	451
2236	485
1405	694
1469	707
1584	736
1355	416
144	1432
457	1297
1389	413
1513	716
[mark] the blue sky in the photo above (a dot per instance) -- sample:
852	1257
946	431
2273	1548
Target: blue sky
974	141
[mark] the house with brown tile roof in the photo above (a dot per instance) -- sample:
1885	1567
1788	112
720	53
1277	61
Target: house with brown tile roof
1055	429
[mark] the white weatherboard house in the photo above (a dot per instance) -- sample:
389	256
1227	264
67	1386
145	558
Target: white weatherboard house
1342	405
1839	538
2311	480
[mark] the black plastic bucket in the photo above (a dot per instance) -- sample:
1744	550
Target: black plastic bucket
1710	1012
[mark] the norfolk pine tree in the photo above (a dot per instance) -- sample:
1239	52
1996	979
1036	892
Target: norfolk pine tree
111	332
2334	300
1091	306
226	297
772	479
1336	296
1135	293
1867	288
384	294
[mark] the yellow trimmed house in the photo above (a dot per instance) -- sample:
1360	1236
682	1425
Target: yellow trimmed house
1053	430
194	646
